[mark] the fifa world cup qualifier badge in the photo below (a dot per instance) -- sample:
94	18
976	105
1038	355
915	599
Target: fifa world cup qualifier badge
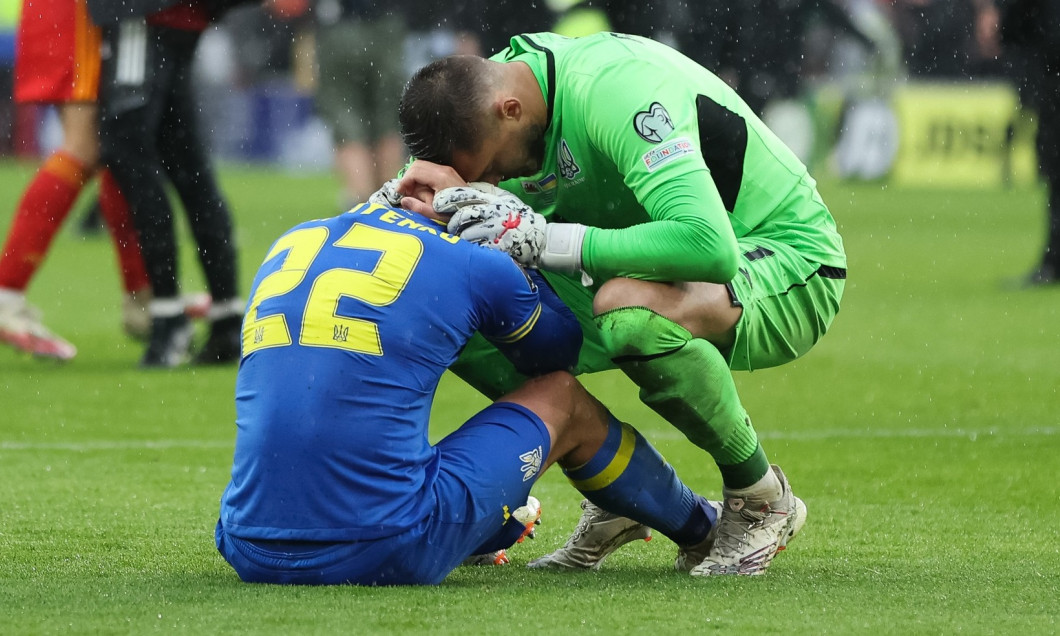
654	125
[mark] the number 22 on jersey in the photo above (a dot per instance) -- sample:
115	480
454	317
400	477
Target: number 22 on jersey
322	326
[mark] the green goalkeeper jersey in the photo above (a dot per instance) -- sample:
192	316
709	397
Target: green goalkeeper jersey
638	132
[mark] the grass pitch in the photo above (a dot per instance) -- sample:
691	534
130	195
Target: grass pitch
923	433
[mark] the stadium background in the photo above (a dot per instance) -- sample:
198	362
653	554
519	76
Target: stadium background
858	115
923	432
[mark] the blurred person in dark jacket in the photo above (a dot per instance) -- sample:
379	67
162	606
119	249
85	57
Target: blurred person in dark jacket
495	21
1027	32
757	45
150	139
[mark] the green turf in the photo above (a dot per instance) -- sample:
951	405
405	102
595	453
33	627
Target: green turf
922	432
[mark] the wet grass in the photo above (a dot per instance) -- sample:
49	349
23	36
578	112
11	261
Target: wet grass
922	432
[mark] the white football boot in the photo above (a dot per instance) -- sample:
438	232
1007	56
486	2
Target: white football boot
21	327
598	534
500	557
528	515
689	556
135	319
751	531
168	344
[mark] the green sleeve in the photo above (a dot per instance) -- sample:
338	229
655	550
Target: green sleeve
689	238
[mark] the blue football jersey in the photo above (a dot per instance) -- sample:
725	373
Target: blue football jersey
351	322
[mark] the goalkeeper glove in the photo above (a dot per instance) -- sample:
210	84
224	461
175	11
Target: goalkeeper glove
489	216
387	196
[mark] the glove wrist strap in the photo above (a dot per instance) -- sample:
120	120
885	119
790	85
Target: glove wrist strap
563	248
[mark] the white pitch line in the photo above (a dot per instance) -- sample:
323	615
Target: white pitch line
672	434
104	445
973	435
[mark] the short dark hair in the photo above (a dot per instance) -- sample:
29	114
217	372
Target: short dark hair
441	108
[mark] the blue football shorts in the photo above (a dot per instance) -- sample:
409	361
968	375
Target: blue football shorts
486	469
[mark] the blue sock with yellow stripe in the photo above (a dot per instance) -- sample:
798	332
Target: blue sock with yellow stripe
628	477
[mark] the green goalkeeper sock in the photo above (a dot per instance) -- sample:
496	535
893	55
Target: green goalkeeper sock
687	381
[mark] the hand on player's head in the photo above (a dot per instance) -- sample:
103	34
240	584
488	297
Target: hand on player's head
418	200
422	181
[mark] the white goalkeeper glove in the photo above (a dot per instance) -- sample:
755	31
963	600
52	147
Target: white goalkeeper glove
489	216
387	196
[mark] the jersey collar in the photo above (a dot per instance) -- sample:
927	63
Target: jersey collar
541	61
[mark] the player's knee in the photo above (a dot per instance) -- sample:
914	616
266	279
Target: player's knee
638	332
558	399
559	384
560	378
540	392
85	151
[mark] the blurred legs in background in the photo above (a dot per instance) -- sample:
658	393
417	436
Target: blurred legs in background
65	74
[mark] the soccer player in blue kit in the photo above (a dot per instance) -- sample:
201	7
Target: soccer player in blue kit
352	322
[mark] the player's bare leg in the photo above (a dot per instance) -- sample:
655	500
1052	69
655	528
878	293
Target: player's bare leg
617	470
45	204
362	167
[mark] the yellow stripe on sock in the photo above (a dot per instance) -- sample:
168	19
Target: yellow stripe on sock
614	468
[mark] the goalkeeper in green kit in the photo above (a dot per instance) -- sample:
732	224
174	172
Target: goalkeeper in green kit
682	232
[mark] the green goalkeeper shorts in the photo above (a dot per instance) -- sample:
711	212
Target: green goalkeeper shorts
788	304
